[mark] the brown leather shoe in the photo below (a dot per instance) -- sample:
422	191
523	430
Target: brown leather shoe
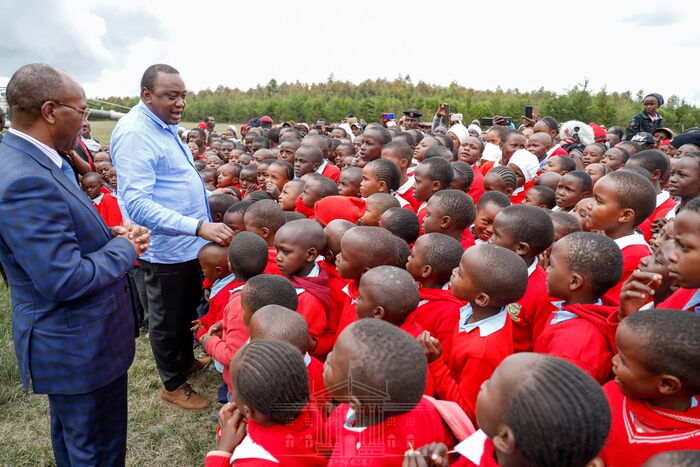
184	398
197	365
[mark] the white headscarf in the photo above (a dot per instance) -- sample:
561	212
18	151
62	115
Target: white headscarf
491	152
474	127
460	131
527	162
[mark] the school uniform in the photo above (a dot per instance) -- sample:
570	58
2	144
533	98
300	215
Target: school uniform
315	305
234	336
518	195
218	299
420	213
556	150
467	239
477	349
301	208
531	313
476	190
415	329
336	284
633	248
582	335
108	207
384	443
682	299
314	367
486	167
348	315
664	204
476	451
405	195
438	312
329	171
272	267
295	444
639	430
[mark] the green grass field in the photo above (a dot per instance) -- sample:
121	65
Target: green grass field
102	129
158	434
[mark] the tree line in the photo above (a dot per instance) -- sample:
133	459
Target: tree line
333	100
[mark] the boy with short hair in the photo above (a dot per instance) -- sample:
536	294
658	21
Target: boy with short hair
490	204
433	258
559	164
375	206
401	222
659	167
105	203
392	366
228	175
653	399
247	258
233	217
298	245
316	187
572	188
431	176
528	231
373	140
264	218
450	212
290	192
401	154
540	196
248	178
279	173
489	278
583	266
622	201
349	182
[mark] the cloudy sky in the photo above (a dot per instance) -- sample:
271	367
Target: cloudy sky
622	45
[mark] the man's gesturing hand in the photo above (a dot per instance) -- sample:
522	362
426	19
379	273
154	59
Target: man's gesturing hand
216	232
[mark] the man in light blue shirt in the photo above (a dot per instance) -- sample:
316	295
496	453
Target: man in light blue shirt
162	190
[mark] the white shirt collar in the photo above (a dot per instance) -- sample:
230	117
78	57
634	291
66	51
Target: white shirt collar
321	167
98	200
473	447
486	326
531	268
50	152
662	197
629	240
307	359
407	186
551	151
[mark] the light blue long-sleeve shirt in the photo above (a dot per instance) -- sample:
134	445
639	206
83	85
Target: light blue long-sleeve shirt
159	185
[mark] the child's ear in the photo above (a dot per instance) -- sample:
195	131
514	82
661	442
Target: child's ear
379	312
575	281
482	300
668	385
445	222
219	270
266	233
436	186
509	191
383	187
311	254
426	271
328	255
504	441
627	215
522	248
596	462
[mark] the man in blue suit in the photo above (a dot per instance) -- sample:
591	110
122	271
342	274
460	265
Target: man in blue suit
72	318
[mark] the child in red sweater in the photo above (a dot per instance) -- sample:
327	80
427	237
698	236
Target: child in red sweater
433	258
264	218
401	155
654	398
105	203
279	173
402	223
289	195
659	167
489	278
282	324
349	182
379	176
572	188
333	232
622	201
529	390
470	152
451	212
247	256
378	373
486	211
361	249
528	231
431	175
298	244
316	187
233	217
271	421
582	268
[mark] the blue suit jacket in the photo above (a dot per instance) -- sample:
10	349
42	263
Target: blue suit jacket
72	319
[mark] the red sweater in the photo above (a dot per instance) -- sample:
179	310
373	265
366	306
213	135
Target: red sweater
406	193
384	443
235	335
639	430
472	361
660	212
349	313
438	312
331	171
336	285
467	239
531	313
109	210
476	190
316	384
586	340
320	312
295	444
313	312
682	299
631	255
217	303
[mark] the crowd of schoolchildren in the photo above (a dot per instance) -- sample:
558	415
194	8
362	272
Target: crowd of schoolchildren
512	297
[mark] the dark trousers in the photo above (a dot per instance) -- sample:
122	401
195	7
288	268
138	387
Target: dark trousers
138	292
90	429
173	291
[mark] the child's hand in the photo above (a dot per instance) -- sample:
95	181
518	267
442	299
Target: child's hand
216	329
658	224
197	325
637	291
273	190
233	427
251	188
431	346
432	454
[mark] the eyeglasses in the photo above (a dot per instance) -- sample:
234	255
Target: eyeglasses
86	112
